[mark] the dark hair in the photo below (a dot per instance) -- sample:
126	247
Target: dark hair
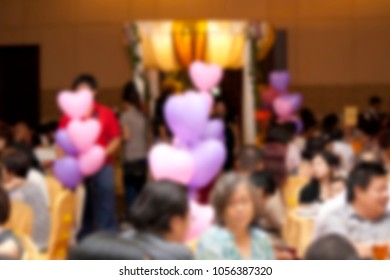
85	79
157	204
331	159
281	133
223	190
375	100
16	162
314	146
331	247
5	207
249	158
337	135
308	119
361	177
330	122
263	180
131	95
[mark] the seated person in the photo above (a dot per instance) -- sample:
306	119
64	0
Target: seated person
236	235
365	218
324	165
160	217
331	247
14	172
10	246
250	159
272	212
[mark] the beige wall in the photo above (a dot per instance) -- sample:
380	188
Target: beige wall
338	49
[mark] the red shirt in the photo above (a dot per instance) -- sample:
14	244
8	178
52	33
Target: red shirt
110	125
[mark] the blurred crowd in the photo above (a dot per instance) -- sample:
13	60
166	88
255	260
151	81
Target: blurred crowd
345	194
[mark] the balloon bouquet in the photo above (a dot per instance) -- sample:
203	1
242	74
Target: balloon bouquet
197	153
284	104
83	157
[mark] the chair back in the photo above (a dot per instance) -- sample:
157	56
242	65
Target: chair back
22	219
54	189
292	189
63	217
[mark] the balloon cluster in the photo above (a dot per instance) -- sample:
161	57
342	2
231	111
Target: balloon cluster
277	97
197	152
83	157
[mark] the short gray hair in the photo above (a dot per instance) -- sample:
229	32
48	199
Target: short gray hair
223	190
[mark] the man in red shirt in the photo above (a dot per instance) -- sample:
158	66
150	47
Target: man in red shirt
99	212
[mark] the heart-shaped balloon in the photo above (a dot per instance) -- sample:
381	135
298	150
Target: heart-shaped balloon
75	104
62	139
283	108
92	160
170	163
187	116
280	80
295	100
202	218
209	157
205	76
84	134
67	171
215	130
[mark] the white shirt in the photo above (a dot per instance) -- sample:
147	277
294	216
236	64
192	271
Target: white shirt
36	178
346	154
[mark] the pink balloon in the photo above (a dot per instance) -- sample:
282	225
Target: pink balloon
205	76
170	163
208	98
283	108
202	218
75	104
92	160
84	134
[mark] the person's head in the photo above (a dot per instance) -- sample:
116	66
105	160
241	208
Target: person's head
234	201
330	123
220	108
162	207
308	119
131	96
375	103
6	136
314	146
15	164
5	208
338	185
384	140
250	159
324	165
23	133
281	133
265	185
368	190
85	82
331	247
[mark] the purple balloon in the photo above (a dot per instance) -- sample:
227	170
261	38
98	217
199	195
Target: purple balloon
295	100
67	171
280	80
209	157
215	130
187	116
63	140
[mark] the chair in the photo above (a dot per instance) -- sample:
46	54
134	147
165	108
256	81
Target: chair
63	217
54	188
22	219
30	250
292	189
